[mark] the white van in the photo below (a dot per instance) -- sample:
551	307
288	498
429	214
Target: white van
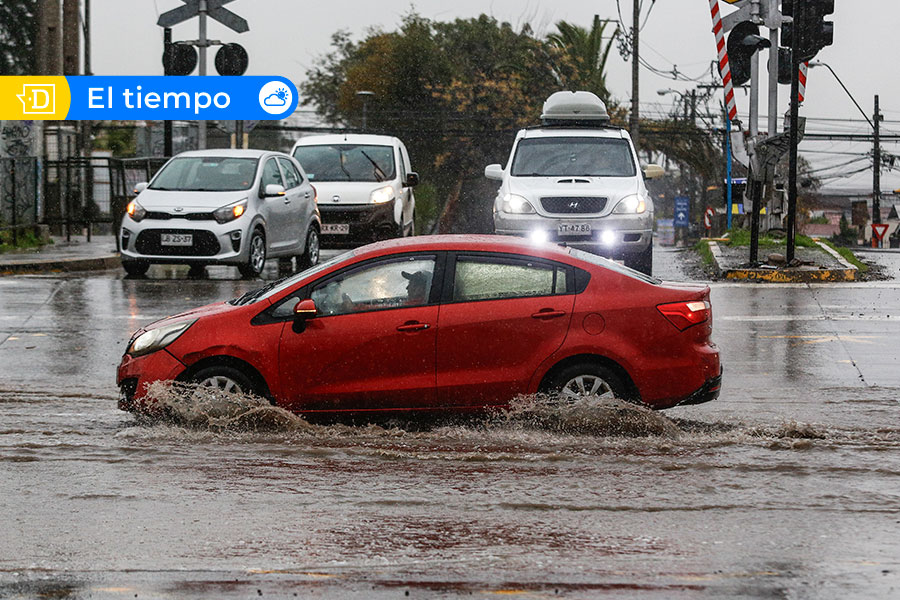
575	179
364	185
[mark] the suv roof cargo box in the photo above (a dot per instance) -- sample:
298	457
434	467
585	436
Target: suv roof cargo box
575	108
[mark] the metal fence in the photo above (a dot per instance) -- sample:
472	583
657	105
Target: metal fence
70	195
19	194
82	192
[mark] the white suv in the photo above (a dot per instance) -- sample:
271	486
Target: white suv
575	179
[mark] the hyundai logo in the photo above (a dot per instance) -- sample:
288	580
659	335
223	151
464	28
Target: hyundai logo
179	209
335	198
573	205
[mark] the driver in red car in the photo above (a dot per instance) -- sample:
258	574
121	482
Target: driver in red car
417	288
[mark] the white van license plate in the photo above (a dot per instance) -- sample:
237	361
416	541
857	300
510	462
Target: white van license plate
574	229
335	229
176	239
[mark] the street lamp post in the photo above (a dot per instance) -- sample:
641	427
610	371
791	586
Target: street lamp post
365	95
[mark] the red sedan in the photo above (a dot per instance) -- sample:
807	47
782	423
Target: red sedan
449	323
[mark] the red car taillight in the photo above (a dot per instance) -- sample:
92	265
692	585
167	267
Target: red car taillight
685	314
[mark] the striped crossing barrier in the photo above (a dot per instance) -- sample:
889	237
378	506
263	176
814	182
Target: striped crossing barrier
724	69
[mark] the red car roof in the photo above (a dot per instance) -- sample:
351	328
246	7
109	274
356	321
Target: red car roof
483	243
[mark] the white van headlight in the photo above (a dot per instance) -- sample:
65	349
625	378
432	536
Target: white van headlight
382	195
230	212
516	205
630	205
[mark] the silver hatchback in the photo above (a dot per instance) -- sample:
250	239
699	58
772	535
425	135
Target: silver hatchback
232	207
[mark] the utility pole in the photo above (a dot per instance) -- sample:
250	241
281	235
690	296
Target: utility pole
87	134
635	71
167	124
795	124
202	43
71	37
876	171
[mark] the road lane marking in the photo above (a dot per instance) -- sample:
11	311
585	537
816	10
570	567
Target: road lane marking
821	339
819	317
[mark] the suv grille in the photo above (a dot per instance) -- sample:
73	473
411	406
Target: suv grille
573	204
204	243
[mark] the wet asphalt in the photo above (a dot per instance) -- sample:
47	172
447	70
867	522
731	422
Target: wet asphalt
785	487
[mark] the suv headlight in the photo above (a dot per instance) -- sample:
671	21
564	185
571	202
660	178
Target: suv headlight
516	205
382	195
630	205
159	338
135	211
231	211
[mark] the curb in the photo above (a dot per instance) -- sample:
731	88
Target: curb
787	274
61	265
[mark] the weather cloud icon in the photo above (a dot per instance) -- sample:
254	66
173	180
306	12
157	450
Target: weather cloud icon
279	98
275	98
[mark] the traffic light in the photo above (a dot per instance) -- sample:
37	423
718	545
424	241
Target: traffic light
814	32
743	41
231	59
179	59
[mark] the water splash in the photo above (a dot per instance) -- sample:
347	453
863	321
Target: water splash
602	417
199	407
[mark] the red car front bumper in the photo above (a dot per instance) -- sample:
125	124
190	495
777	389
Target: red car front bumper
135	374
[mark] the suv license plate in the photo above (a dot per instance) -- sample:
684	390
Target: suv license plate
176	239
574	229
336	229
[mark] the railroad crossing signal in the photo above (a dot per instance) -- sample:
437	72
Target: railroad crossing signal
214	8
813	31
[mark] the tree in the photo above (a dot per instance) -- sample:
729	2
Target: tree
586	54
455	92
18	30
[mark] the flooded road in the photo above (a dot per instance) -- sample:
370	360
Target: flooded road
785	487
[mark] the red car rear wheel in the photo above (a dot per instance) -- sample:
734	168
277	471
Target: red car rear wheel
584	380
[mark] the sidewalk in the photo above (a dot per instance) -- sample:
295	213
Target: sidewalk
62	256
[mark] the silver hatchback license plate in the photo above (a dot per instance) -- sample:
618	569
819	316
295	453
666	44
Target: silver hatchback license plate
176	239
342	229
574	229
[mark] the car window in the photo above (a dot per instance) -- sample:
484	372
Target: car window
402	165
481	278
346	162
206	173
291	176
271	174
395	283
573	156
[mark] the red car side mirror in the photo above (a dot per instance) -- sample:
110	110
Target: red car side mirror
305	309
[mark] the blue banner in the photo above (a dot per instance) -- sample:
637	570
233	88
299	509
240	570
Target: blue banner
135	98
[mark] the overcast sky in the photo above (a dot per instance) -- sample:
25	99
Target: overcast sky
286	36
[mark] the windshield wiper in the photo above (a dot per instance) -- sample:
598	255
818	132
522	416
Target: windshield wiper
252	295
378	169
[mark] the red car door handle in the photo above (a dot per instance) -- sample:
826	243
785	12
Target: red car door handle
413	326
548	313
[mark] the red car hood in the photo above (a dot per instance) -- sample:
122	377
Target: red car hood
195	313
